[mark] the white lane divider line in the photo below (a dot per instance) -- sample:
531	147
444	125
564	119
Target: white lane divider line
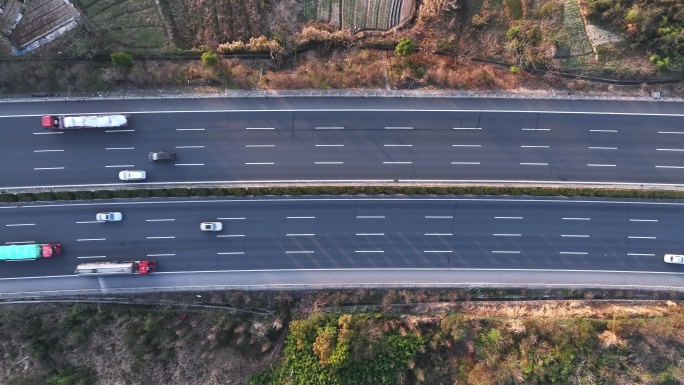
439	217
92	256
534	146
330	145
536	129
233	218
466	145
574	236
258	145
189	164
301	217
505	252
574	252
300	252
90	222
465	163
90	239
231	253
160	220
328	162
119	130
397	145
119	148
48	150
190	129
533	164
370	217
438	234
669	149
371	234
603	148
508	217
467	128
397	162
259	128
330	128
639	237
600	165
122	165
398	128
230	235
189	146
669	166
19	243
48	168
671	132
642	220
641	255
48	133
369	251
167	237
438	251
603	130
21	224
258	163
507	235
576	219
300	235
161	255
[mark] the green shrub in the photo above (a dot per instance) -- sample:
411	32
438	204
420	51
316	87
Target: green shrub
210	59
121	59
405	47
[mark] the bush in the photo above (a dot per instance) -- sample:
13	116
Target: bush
209	59
72	376
405	47
514	70
121	59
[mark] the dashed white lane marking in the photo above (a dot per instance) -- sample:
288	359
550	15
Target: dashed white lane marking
234	218
639	237
300	252
328	162
91	239
397	162
536	129
669	149
21	224
330	128
189	146
92	256
671	132
301	217
161	255
397	145
190	129
439	217
259	128
167	237
438	251
534	146
90	222
369	251
48	133
19	243
48	168
505	252
119	130
603	148
259	163
20	260
330	145
189	164
600	165
160	220
398	128
300	235
643	220
534	164
370	234
230	235
467	128
603	130
122	165
259	145
574	252
508	217
119	148
507	235
370	217
475	163
231	253
466	145
641	255
669	166
574	236
48	150
438	234
576	219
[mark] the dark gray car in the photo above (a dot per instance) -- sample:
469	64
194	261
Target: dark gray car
157	156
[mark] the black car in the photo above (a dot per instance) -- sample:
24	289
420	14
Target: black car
161	156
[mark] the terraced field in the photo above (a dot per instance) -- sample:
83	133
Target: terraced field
359	14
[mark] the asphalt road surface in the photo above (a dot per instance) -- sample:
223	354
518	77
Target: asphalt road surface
353	233
355	139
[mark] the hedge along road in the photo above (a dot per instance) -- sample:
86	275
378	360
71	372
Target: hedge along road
354	140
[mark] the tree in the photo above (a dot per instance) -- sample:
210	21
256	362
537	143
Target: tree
122	59
405	47
209	59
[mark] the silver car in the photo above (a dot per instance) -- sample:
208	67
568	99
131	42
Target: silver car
128	175
674	258
109	217
211	226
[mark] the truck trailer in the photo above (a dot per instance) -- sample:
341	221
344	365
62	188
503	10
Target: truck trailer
115	268
67	122
27	252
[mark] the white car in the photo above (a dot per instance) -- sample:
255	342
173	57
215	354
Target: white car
109	217
211	226
132	175
674	258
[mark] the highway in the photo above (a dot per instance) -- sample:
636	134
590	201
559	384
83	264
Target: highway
350	139
353	233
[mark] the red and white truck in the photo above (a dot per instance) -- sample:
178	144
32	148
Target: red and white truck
114	268
68	122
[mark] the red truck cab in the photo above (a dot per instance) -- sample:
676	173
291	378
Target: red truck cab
49	121
147	267
51	250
